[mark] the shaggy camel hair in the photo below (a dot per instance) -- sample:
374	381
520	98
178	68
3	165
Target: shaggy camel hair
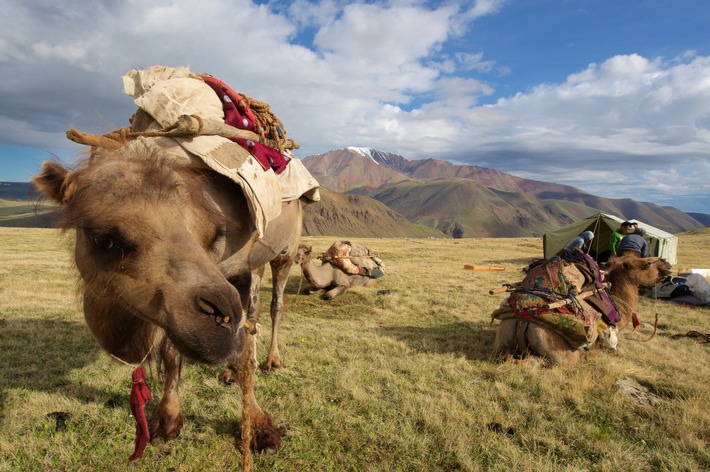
326	278
170	265
542	345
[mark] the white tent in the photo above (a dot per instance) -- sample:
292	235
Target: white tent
660	243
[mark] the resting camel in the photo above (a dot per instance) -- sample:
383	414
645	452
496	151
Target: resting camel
327	278
170	269
541	344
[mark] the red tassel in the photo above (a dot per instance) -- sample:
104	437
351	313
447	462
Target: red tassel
635	321
140	395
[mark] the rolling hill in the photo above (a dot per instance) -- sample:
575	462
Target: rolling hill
335	215
343	215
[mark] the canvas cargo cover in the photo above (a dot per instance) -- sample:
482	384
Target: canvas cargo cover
660	243
166	93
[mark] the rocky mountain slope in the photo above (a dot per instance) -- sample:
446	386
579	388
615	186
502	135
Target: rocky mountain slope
344	215
467	201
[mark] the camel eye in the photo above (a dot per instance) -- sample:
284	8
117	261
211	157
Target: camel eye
109	243
219	234
103	242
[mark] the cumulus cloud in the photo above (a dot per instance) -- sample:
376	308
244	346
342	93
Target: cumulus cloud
376	74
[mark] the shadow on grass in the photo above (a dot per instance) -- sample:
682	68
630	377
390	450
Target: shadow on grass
38	355
472	340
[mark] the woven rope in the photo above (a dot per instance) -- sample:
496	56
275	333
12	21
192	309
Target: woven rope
270	128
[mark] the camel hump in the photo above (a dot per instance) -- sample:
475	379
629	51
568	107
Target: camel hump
354	258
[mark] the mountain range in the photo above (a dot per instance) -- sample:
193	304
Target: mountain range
366	192
471	201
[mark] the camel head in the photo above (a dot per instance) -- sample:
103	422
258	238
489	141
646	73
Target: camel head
304	254
638	271
148	241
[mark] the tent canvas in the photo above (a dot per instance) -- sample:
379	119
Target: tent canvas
660	243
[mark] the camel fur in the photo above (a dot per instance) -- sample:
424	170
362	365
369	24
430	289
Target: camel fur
539	344
170	266
327	279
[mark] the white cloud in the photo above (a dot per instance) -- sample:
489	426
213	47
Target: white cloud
365	74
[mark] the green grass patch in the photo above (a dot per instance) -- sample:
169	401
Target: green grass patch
397	380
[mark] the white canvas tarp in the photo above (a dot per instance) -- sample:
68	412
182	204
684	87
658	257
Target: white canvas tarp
660	243
166	93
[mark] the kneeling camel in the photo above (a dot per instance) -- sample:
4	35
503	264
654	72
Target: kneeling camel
626	274
327	279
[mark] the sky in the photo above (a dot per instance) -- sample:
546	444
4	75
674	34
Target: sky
609	96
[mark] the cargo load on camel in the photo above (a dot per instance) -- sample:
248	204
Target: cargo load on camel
354	259
199	120
343	266
568	297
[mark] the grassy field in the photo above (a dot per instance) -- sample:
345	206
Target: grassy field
25	213
393	378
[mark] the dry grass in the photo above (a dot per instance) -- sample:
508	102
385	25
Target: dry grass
394	381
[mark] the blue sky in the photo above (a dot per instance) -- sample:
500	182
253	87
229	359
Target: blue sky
611	97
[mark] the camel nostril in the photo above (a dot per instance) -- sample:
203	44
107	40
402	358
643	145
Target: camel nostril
205	306
221	312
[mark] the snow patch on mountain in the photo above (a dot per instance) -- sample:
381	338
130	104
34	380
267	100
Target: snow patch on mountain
378	157
366	152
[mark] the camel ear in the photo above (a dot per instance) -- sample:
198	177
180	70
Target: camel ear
53	182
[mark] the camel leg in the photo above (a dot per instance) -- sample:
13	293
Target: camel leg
280	268
258	430
505	343
168	419
535	344
551	346
247	284
334	292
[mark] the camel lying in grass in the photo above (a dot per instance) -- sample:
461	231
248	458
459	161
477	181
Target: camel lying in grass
538	343
327	279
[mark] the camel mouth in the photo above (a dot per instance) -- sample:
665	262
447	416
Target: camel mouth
664	271
208	338
212	352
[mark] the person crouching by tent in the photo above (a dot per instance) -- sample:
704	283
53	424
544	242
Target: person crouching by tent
578	244
626	227
633	244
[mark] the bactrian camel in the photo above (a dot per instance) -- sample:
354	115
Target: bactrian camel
543	345
326	278
170	268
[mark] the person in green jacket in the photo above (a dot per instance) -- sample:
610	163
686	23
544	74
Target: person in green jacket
626	227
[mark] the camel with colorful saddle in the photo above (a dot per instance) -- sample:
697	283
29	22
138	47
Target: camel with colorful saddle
564	308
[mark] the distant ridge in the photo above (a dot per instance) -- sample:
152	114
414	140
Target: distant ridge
702	218
336	215
379	194
23	191
472	201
